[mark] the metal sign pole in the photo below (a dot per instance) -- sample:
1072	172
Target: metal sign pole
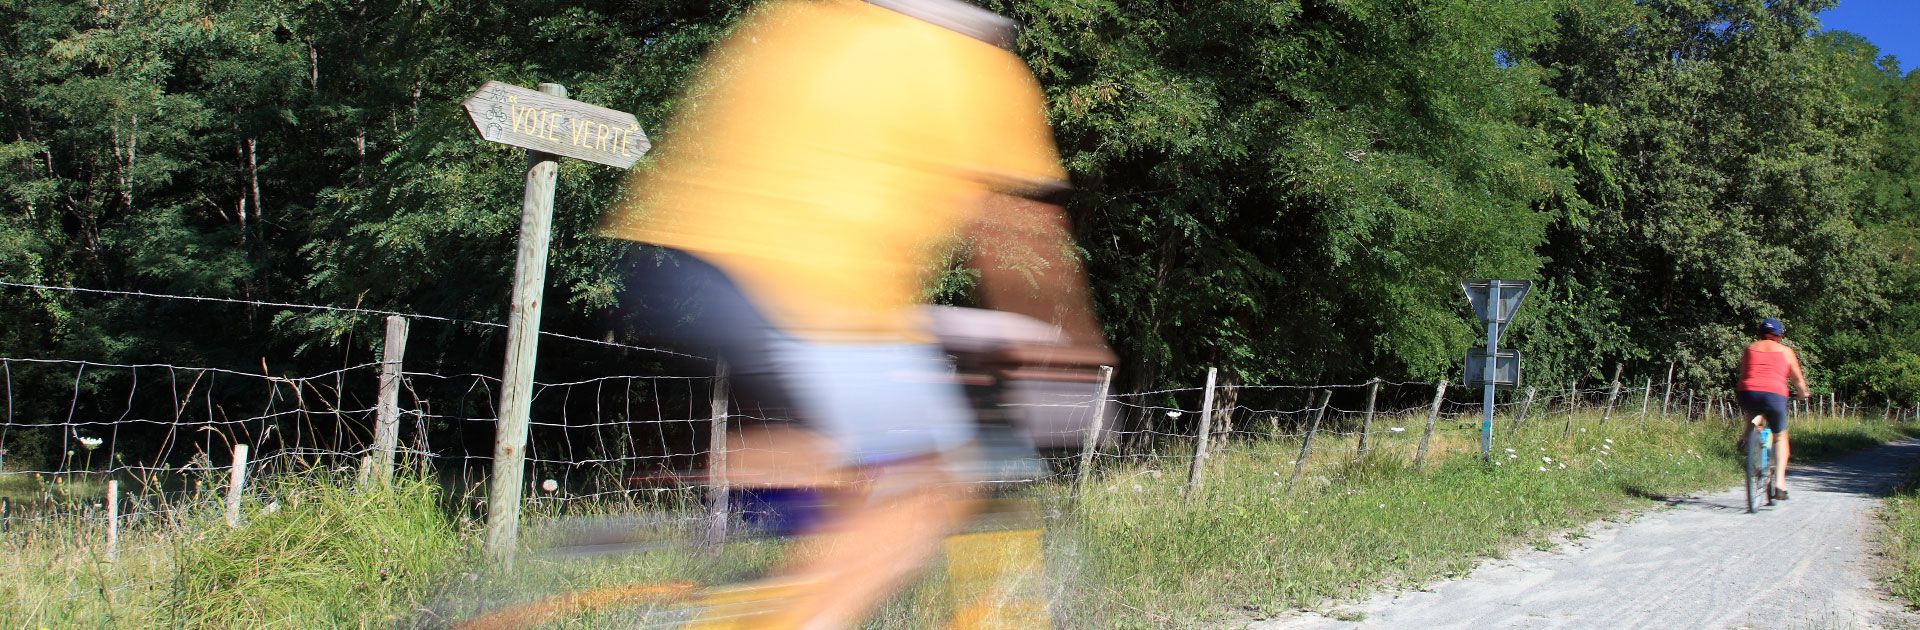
1492	371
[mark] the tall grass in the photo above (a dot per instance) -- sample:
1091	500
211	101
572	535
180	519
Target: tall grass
1251	541
314	550
1900	537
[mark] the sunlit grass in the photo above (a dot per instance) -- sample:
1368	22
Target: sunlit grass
317	549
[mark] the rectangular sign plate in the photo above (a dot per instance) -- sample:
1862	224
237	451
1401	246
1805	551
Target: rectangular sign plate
513	115
1512	293
1506	368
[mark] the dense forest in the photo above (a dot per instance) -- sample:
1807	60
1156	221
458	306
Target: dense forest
1290	190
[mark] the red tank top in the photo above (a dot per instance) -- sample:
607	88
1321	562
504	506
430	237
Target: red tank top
1765	372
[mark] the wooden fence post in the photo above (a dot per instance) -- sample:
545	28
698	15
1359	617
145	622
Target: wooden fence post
1645	399
1611	395
1200	444
523	342
1439	394
236	484
1667	398
1522	414
717	504
1091	440
1573	402
1306	445
386	428
1366	425
113	519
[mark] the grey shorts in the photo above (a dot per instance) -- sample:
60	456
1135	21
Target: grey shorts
879	403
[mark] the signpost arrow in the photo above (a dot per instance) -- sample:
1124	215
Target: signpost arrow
552	123
548	125
1494	302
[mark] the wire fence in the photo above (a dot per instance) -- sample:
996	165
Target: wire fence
140	446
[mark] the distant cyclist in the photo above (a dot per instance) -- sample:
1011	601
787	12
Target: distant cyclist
1766	367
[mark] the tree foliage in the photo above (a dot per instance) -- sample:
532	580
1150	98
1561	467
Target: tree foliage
1290	190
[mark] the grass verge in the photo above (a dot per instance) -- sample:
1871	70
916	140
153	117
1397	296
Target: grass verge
1132	552
1900	540
1256	542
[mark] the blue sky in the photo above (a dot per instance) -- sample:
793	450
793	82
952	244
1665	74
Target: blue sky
1892	25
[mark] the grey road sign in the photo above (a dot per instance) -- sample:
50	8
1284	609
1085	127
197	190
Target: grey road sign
1512	292
1506	372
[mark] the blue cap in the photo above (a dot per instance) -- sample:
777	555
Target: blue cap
1771	326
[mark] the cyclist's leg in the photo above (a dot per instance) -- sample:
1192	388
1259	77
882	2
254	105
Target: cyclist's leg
1777	421
897	416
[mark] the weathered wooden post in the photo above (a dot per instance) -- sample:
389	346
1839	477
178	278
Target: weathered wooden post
1667	399
717	486
113	519
1645	400
236	484
1366	425
1306	445
1090	441
1439	394
1573	402
386	428
1200	441
1611	395
548	125
1521	415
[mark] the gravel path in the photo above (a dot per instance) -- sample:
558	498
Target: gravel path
1700	564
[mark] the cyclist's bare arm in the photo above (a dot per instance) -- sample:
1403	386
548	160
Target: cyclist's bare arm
1794	372
1025	257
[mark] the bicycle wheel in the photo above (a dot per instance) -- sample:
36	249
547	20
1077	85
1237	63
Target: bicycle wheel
1755	465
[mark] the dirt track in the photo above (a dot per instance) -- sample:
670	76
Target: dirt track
1700	564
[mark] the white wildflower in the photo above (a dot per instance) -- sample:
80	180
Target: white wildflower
1399	429
1543	469
550	485
1548	460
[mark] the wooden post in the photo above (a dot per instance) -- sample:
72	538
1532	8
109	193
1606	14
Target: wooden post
113	519
1366	425
1306	445
236	484
523	340
1667	399
1521	415
1200	443
1090	441
386	428
717	492
1611	395
1439	394
1646	399
1689	414
1573	402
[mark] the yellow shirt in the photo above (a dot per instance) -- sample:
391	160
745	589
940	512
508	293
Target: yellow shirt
830	152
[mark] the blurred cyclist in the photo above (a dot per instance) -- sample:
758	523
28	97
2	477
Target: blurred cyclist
1765	369
833	155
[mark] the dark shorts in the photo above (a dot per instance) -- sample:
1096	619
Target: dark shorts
1769	404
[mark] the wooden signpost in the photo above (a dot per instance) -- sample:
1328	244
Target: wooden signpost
548	125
